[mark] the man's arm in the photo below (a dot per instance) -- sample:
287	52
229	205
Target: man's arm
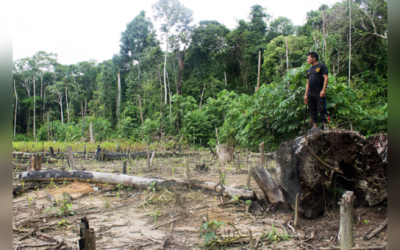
323	92
305	95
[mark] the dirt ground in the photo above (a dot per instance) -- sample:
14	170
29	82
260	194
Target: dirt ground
123	218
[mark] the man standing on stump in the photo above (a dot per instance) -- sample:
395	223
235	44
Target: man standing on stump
317	80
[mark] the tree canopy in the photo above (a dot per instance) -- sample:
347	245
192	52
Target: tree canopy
218	71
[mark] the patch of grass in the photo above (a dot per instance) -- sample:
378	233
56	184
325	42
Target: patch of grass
63	223
106	203
273	236
155	215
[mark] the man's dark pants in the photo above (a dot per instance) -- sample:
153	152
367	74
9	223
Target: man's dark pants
314	102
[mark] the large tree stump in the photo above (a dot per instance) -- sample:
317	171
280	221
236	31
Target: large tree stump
300	171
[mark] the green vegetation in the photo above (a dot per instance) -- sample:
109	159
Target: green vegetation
63	209
236	198
155	215
215	88
273	236
208	230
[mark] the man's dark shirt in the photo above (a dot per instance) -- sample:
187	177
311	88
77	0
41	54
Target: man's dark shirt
316	79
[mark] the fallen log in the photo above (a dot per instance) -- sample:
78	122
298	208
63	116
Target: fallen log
20	189
116	156
300	170
133	181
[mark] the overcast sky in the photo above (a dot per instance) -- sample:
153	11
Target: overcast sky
83	30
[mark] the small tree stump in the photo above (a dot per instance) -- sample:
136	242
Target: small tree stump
87	240
97	153
70	158
148	157
52	152
84	152
36	163
225	154
346	221
296	210
201	167
124	168
187	170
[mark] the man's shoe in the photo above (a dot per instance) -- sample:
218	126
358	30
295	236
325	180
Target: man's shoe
313	129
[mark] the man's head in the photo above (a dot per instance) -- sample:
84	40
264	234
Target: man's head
312	57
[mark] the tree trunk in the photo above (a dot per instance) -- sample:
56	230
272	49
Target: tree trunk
44	99
84	114
332	160
70	158
349	41
264	179
119	95
132	181
91	133
141	116
62	114
287	55
201	98
35	163
34	108
87	239
66	100
48	128
346	221
326	52
225	154
259	65
165	67
16	105
181	65
226	84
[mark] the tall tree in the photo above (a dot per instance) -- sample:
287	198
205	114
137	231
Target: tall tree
57	93
139	34
173	14
281	26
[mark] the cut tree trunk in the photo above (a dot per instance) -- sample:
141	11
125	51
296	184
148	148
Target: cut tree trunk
133	181
272	191
91	133
70	158
225	154
87	240
346	221
181	65
36	163
333	162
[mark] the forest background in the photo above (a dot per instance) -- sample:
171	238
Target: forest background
206	77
